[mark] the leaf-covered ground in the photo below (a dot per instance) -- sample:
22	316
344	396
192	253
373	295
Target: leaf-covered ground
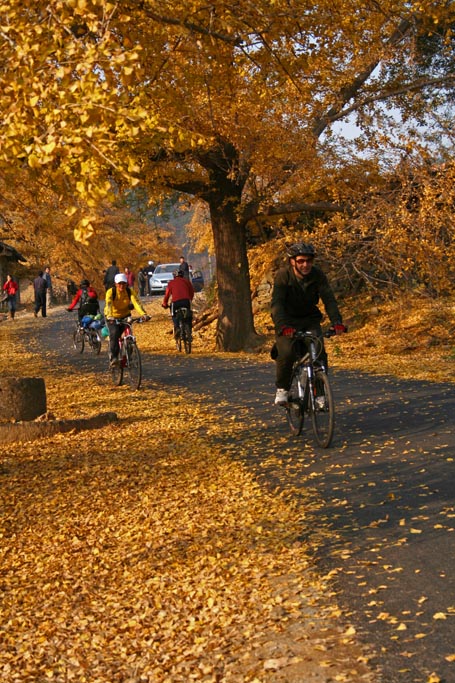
141	553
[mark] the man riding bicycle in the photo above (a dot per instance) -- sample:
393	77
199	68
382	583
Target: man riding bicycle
297	289
120	301
181	291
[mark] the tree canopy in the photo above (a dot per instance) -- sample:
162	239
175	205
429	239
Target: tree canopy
230	103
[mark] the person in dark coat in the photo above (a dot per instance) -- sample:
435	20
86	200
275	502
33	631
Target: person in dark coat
40	287
297	289
109	276
184	267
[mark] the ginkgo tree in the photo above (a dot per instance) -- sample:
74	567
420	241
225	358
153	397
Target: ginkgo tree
225	102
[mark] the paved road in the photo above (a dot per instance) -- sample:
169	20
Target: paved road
385	489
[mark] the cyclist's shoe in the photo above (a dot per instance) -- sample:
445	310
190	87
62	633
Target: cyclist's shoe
281	397
114	362
320	403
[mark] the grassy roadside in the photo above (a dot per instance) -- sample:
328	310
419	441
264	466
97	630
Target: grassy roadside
139	552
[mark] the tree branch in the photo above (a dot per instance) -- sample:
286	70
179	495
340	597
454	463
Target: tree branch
346	93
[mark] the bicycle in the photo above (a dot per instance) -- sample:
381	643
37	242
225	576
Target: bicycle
310	392
83	335
182	330
129	356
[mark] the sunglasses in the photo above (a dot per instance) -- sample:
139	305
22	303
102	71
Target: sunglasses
301	261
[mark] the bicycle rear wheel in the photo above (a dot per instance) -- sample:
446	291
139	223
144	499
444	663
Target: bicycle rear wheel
323	415
95	342
178	338
78	340
294	407
187	337
134	366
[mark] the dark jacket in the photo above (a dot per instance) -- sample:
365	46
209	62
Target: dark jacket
295	300
39	284
109	276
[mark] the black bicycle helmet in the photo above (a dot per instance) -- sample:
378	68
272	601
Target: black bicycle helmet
301	249
85	283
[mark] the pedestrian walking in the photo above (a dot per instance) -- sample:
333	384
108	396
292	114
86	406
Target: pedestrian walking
40	286
149	270
142	282
109	275
184	267
48	278
130	277
11	288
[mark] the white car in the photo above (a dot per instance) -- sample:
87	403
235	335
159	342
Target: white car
162	274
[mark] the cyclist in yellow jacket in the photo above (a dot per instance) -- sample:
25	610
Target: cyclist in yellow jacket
120	301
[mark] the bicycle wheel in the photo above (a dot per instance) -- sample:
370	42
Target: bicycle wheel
117	374
178	338
78	340
95	342
323	414
294	407
187	337
134	366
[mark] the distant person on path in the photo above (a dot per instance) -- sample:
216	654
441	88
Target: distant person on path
11	288
40	286
48	278
184	267
120	301
149	270
71	289
130	277
181	292
87	298
110	274
142	282
296	291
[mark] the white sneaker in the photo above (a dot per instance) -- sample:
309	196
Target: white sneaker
281	397
320	402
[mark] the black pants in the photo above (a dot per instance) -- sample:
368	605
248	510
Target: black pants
115	332
182	303
287	356
40	303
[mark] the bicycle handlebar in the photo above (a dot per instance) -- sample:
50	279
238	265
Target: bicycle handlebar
128	320
312	334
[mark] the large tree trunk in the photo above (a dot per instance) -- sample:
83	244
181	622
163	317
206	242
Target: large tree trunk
223	194
235	328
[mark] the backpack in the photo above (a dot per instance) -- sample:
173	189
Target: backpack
84	297
88	304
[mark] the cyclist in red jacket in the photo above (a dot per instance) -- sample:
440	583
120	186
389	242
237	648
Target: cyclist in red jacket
181	291
87	298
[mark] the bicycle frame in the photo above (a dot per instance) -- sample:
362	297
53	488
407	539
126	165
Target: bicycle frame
129	355
310	390
307	363
182	331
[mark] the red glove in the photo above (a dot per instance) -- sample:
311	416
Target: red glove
165	306
287	331
339	328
